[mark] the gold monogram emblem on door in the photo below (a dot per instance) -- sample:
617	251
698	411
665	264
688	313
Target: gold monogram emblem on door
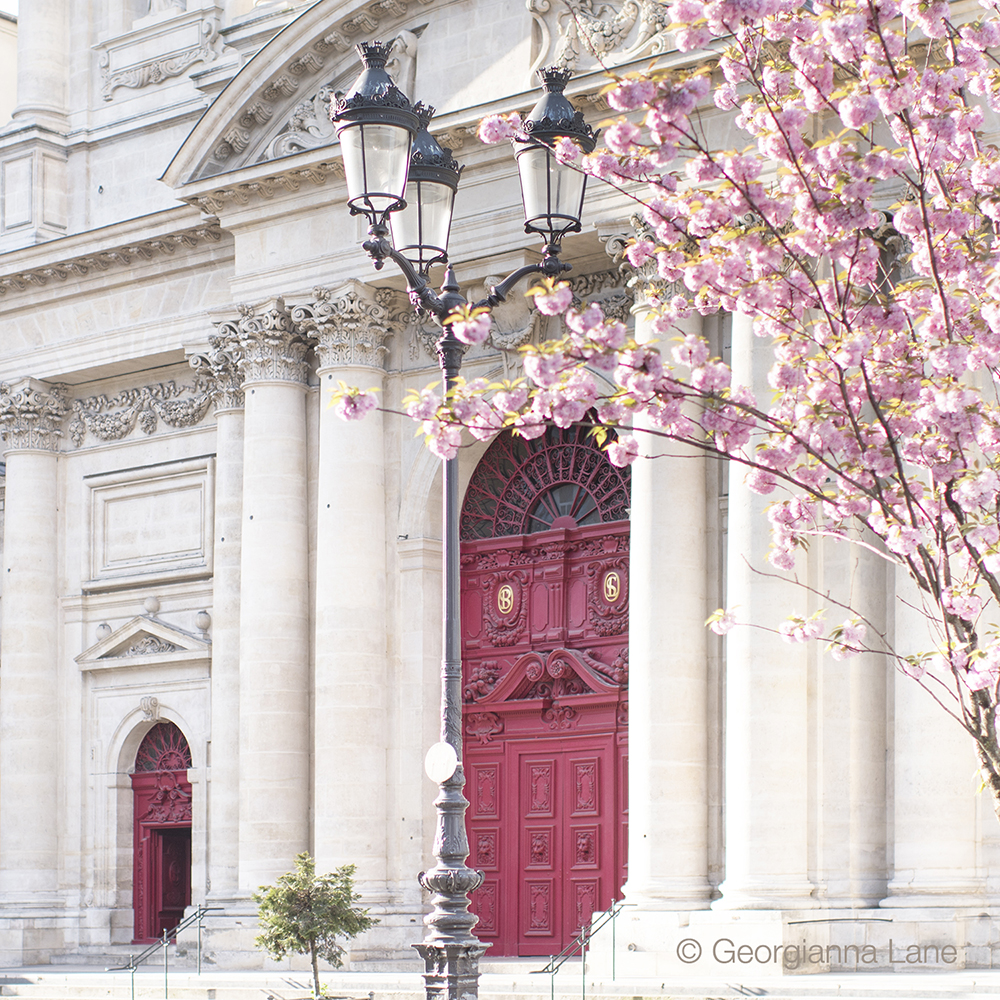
505	599
612	587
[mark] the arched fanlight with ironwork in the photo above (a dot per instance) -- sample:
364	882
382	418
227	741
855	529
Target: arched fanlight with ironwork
562	479
552	192
375	124
420	230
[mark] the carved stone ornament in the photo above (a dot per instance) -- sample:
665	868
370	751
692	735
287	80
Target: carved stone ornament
578	33
114	418
121	256
308	128
31	414
267	344
606	288
350	325
222	369
183	42
515	321
150	706
148	644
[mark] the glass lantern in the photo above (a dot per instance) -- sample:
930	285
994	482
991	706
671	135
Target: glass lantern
376	125
420	231
552	192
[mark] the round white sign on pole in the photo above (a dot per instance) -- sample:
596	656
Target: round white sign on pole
440	762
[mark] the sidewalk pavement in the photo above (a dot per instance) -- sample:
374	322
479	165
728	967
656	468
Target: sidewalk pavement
511	981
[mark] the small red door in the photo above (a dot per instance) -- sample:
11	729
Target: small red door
161	801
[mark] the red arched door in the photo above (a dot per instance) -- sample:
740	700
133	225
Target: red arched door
545	660
161	799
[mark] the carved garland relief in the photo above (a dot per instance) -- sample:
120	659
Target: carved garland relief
111	419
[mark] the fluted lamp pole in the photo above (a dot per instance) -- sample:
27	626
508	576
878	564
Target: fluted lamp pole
409	211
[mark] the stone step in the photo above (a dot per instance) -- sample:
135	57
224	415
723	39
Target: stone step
108	956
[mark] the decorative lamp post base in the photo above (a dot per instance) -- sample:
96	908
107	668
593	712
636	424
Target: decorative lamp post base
451	971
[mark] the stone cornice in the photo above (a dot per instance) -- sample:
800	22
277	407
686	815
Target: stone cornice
266	187
121	255
31	415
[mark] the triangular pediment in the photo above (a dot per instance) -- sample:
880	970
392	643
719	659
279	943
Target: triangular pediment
276	105
144	640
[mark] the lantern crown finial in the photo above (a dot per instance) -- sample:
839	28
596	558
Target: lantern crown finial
554	78
553	117
374	95
374	55
428	152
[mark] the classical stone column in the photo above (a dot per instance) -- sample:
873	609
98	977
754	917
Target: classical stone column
274	683
224	789
937	856
43	46
352	682
668	672
851	716
30	416
768	704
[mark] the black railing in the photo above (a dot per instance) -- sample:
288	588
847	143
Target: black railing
134	961
579	946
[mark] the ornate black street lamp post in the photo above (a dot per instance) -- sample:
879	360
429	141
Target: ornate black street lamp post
405	183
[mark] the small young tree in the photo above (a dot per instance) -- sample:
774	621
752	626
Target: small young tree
304	913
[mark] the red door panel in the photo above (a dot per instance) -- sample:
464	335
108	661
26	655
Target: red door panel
545	662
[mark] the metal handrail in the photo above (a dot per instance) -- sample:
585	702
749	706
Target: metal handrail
134	961
579	943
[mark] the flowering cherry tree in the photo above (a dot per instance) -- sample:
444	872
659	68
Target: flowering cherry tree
857	228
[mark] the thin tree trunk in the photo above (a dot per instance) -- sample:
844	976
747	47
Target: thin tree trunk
315	965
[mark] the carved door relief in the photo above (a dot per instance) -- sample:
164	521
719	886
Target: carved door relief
161	799
545	660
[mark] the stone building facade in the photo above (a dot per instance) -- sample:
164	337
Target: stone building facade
221	608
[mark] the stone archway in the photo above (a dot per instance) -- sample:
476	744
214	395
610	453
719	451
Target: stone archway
545	660
161	800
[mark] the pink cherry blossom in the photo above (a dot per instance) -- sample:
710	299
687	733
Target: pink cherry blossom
354	406
555	302
722	622
473	330
624	451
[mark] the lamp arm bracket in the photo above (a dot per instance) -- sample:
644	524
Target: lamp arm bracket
549	265
422	296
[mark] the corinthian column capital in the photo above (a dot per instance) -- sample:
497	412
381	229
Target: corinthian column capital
350	324
266	344
31	415
221	366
